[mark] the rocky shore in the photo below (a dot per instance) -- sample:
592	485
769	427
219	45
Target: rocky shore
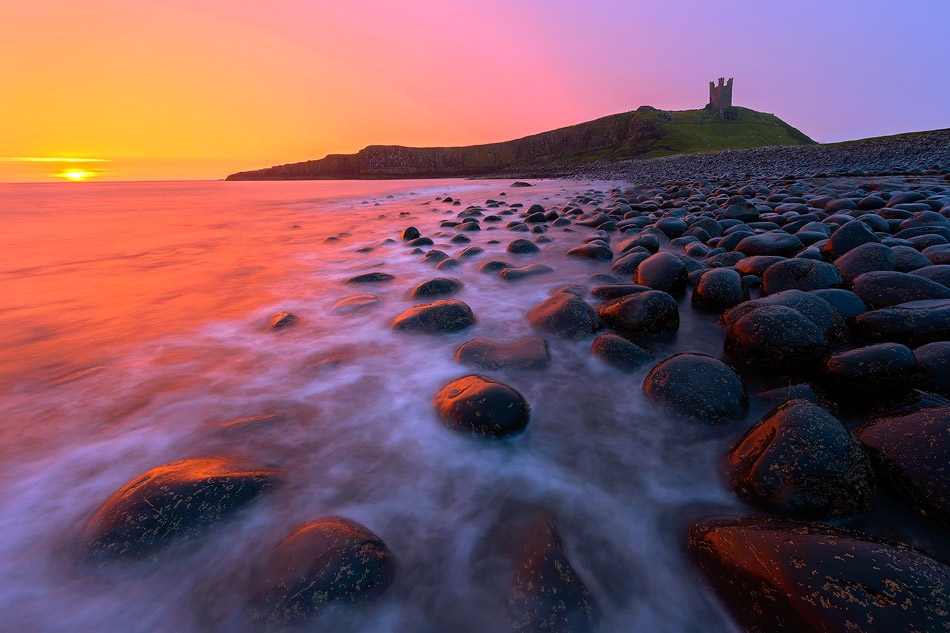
923	154
828	269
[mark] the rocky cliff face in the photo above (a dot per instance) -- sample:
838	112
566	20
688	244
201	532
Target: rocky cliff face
618	136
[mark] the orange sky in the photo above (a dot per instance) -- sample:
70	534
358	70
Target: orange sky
202	88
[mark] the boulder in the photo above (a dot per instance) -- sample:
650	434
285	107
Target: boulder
912	323
719	289
846	238
282	319
617	351
529	353
933	367
599	252
882	289
869	373
447	315
699	387
643	313
912	453
772	243
330	561
354	304
482	407
662	271
368	278
776	338
170	503
521	272
800	461
780	576
799	274
437	286
564	315
522	247
865	258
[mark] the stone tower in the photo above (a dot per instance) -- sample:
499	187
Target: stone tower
720	96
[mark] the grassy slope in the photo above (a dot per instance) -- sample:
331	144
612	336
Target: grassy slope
886	138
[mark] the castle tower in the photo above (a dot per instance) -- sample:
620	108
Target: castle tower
720	96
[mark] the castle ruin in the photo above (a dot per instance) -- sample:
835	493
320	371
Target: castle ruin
720	96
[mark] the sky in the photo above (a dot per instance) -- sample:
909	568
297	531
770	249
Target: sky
183	89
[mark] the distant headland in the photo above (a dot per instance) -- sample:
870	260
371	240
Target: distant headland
642	133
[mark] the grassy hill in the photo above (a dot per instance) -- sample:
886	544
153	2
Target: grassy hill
643	133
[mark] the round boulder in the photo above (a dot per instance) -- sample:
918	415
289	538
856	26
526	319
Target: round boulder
662	271
448	315
326	562
643	313
719	289
698	386
171	502
617	351
481	406
564	315
799	274
800	461
776	338
437	286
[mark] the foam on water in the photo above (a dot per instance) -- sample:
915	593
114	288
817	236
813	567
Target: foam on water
91	405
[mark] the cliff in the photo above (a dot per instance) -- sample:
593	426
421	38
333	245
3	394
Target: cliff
643	133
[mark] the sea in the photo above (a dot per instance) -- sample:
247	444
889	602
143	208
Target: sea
134	323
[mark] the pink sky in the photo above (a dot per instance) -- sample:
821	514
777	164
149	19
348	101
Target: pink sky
199	89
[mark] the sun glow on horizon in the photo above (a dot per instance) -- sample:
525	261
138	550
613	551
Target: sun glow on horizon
76	176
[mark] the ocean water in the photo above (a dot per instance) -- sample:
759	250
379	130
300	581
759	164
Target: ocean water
134	320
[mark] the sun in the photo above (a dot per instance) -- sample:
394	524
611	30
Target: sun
76	175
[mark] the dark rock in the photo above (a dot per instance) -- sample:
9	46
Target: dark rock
912	453
780	395
848	304
772	243
531	270
628	264
756	265
169	503
564	315
613	291
482	407
847	237
619	352
791	577
813	307
447	315
933	365
367	278
409	233
869	373
522	247
800	461
908	259
865	258
912	323
940	274
698	386
330	561
799	274
437	286
354	304
776	338
494	266
547	595
718	289
529	353
662	271
881	289
282	320
600	252
643	313
420	241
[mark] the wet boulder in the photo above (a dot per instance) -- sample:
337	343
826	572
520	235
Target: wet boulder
619	352
699	387
170	503
564	315
757	264
628	263
369	278
355	304
437	286
328	562
912	453
282	319
813	307
547	595
447	315
799	274
775	243
482	407
846	238
597	251
494	266
521	272
933	367
865	258
800	461
662	271
940	274
527	354
719	289
644	313
848	304
781	576
776	338
912	323
882	289
522	247
869	373
409	233
612	291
